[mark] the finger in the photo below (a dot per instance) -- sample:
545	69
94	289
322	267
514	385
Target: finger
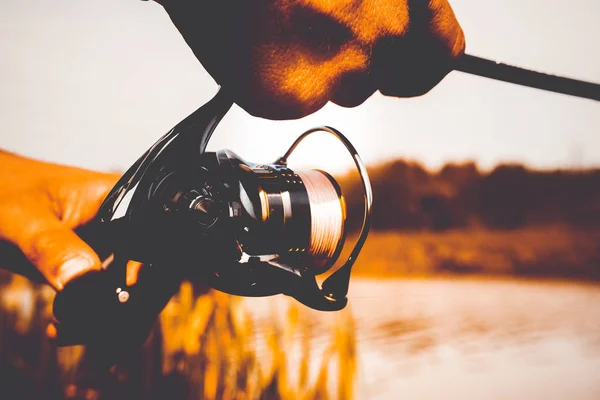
445	27
51	331
58	253
353	89
132	271
79	197
412	64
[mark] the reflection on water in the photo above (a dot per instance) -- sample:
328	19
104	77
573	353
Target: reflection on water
475	339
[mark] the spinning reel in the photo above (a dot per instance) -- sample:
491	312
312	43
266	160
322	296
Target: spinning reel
243	228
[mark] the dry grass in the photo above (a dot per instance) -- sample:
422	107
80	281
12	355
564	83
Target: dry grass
552	251
211	347
218	339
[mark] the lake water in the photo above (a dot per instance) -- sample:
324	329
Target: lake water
469	339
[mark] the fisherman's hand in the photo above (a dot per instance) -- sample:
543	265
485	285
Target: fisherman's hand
284	59
40	205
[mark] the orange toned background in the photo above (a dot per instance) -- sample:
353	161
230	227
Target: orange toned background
479	279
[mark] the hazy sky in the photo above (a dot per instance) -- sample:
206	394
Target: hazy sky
95	83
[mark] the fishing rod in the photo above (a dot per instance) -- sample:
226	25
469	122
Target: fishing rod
525	77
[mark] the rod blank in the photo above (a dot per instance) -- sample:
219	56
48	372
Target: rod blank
525	77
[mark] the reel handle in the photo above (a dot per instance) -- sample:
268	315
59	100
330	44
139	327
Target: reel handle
100	310
90	309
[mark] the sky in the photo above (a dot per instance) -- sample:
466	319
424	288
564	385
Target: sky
95	83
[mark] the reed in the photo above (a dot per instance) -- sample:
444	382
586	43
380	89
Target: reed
231	355
211	346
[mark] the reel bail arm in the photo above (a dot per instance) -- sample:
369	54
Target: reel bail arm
335	288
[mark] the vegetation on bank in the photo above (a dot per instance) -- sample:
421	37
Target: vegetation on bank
407	197
207	346
555	251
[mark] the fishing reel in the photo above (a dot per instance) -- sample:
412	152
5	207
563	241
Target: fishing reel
248	229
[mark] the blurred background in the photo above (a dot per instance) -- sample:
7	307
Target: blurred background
479	279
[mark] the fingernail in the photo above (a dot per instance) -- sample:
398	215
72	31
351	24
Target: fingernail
51	331
71	269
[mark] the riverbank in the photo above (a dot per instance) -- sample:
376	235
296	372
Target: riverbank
550	252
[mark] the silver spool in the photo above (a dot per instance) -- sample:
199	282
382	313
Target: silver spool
328	213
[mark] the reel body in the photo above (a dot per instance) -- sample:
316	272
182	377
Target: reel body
243	228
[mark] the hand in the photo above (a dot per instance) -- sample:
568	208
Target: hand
40	205
284	59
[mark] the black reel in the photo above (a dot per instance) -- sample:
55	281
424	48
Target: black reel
242	228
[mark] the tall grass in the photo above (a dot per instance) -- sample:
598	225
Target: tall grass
215	342
211	346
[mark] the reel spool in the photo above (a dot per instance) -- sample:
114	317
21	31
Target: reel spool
296	217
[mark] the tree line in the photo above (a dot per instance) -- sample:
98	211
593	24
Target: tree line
511	196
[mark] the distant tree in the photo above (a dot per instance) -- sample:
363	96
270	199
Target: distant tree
408	197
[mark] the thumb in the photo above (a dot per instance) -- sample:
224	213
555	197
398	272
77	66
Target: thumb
58	253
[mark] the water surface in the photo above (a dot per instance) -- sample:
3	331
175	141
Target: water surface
470	339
